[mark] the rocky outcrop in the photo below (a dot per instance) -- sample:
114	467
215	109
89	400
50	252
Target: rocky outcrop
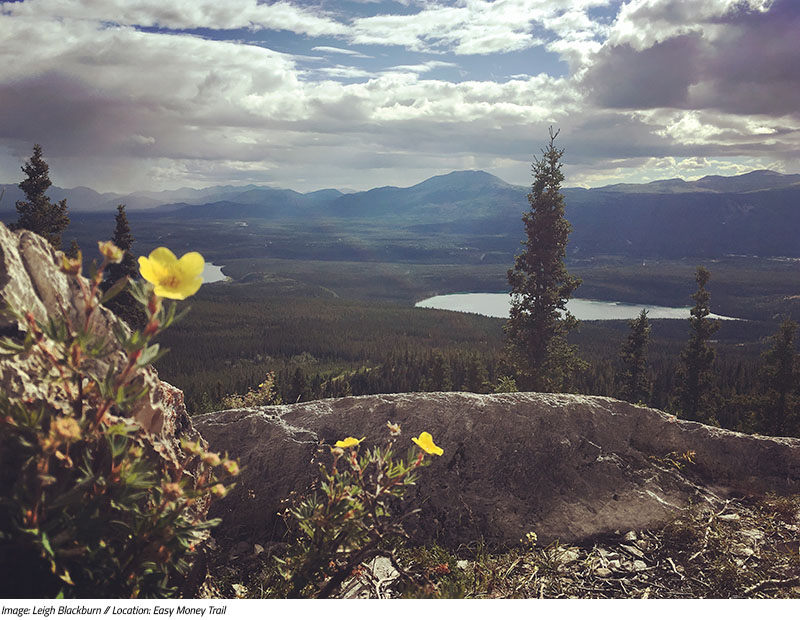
565	466
31	281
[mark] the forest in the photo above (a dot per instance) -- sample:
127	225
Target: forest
320	347
326	310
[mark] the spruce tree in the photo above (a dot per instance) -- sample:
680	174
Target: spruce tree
37	213
541	286
124	305
635	385
74	249
123	239
477	379
697	394
780	376
440	377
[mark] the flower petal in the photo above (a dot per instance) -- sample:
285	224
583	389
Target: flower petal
163	255
349	442
425	441
147	269
192	264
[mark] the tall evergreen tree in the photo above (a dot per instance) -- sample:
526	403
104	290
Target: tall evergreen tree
635	385
74	249
541	286
123	239
124	305
697	394
440	379
299	389
781	378
37	213
477	379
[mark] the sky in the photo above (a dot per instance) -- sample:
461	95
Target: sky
128	95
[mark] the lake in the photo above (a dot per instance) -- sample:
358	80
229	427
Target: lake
498	304
213	273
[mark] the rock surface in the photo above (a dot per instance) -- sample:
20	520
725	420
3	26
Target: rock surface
565	466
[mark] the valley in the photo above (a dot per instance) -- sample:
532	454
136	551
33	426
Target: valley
323	286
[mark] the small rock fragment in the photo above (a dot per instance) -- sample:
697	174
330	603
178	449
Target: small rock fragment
743	551
634	551
569	556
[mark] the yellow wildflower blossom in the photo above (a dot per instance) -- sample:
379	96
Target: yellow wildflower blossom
349	442
66	429
111	251
173	278
425	441
71	266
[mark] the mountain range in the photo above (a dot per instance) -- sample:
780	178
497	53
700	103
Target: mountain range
756	213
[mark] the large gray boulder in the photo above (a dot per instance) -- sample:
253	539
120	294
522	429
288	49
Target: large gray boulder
568	467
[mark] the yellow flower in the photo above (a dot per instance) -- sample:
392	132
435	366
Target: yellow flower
349	442
173	278
66	429
71	266
425	441
111	251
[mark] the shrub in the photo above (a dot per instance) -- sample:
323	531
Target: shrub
265	394
88	505
351	517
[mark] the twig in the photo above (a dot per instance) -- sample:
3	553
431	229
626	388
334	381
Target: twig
771	584
675	570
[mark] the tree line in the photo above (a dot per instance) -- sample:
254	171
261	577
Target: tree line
393	351
543	360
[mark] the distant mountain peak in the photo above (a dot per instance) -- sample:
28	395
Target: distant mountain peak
756	180
460	179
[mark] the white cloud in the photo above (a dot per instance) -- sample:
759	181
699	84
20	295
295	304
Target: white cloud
643	23
326	49
343	71
186	14
423	67
119	108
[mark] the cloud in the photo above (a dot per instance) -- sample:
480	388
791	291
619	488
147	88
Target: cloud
326	49
657	76
474	27
423	67
186	14
654	91
345	72
735	57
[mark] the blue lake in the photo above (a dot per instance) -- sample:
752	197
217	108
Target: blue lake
213	273
498	304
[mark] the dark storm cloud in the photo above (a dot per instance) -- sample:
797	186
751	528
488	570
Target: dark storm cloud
659	76
744	62
755	66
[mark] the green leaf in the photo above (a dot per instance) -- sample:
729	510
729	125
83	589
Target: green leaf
46	545
150	355
10	346
115	290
